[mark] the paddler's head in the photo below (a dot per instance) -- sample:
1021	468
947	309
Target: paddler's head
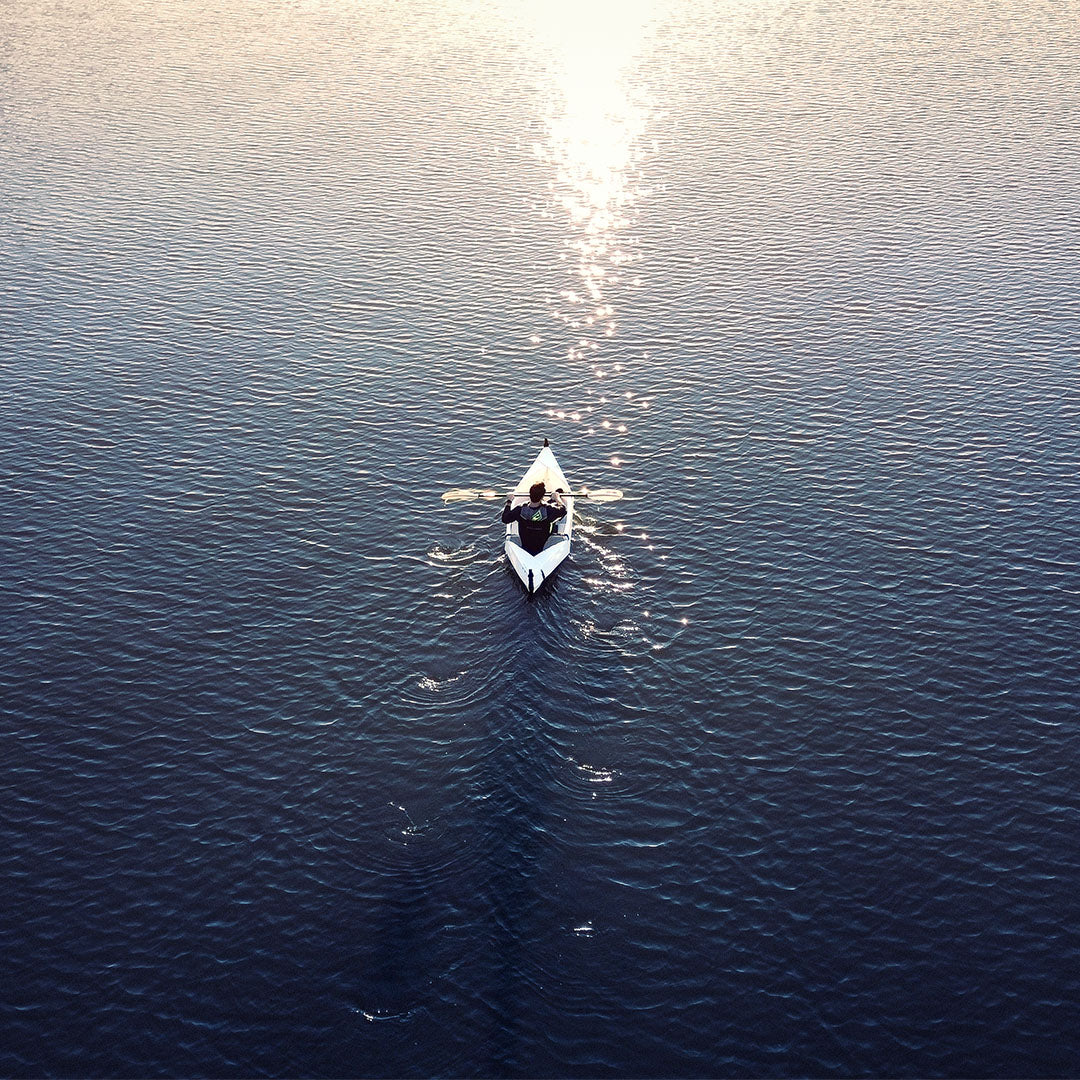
536	494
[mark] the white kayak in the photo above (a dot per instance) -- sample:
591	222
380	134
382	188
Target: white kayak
534	570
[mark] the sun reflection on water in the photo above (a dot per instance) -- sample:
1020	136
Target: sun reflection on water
596	122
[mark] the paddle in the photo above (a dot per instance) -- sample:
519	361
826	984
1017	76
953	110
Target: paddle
598	495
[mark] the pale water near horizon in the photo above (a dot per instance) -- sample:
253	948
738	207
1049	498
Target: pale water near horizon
778	777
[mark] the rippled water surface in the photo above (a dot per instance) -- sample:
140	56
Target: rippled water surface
779	777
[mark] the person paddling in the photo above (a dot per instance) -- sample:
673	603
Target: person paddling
535	519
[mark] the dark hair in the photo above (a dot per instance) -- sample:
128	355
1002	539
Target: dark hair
536	492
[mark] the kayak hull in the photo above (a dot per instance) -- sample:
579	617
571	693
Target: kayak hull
533	570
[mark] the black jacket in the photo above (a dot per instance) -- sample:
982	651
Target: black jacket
534	523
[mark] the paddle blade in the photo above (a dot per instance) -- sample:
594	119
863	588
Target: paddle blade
602	495
464	494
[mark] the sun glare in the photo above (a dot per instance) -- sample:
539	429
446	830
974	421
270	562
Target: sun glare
595	123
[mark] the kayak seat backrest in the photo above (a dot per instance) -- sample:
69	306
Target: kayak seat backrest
554	541
513	538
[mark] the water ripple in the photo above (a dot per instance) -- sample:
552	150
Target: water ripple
776	776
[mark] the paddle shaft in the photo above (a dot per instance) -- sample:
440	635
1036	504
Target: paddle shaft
599	495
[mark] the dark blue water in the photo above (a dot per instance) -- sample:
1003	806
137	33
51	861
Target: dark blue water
778	777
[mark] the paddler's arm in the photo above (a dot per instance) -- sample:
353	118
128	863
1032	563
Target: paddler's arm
510	513
558	510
